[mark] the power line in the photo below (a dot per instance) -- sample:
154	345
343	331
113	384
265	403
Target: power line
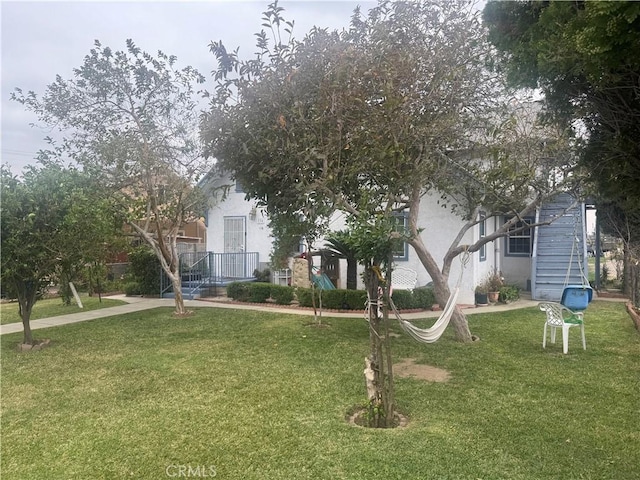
20	153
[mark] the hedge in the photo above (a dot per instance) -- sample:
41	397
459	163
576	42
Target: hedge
259	292
282	294
238	291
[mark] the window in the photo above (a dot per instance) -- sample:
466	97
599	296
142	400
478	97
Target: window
401	247
239	188
520	243
482	232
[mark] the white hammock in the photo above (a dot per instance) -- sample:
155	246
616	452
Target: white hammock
433	333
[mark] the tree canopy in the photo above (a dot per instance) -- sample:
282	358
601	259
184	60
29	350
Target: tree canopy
55	220
370	120
131	120
584	57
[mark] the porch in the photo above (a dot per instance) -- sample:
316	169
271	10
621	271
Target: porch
203	273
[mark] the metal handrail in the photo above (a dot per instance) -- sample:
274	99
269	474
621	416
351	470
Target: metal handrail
210	268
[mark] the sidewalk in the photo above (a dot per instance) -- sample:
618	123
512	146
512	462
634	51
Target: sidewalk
137	304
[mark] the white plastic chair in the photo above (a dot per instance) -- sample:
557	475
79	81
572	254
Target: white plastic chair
559	316
403	278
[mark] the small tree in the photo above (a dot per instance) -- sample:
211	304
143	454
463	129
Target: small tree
44	232
131	120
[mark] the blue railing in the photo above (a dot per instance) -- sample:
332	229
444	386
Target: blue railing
200	270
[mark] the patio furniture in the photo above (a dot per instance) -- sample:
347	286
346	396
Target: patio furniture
559	316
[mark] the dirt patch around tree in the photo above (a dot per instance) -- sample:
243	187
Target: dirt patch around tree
408	368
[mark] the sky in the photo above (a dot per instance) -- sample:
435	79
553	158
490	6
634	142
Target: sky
40	40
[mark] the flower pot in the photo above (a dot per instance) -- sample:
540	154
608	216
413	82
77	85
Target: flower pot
493	296
481	299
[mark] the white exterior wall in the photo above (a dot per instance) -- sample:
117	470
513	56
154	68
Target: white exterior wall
516	269
258	235
439	226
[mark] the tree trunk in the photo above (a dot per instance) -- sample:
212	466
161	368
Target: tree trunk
176	281
26	300
441	289
28	337
352	274
378	371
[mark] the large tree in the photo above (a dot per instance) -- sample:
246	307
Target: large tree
374	118
584	58
368	122
54	220
130	119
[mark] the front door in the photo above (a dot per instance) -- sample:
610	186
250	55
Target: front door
233	263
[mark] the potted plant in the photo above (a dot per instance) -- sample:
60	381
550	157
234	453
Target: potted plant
481	296
493	283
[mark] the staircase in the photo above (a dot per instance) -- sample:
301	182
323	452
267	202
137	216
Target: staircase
202	273
559	249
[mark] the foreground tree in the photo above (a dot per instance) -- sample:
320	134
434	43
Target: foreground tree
51	220
130	119
371	120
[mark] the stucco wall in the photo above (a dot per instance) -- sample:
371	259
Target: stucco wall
258	236
438	224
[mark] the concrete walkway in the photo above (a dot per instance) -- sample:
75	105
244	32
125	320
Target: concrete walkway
137	304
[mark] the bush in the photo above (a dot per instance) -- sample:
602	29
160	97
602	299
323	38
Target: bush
333	299
403	299
144	268
132	288
282	294
263	276
259	292
355	299
304	297
423	297
238	291
509	293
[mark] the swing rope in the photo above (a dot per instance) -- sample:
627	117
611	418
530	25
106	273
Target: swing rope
433	333
584	280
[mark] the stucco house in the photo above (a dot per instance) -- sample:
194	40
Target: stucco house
540	260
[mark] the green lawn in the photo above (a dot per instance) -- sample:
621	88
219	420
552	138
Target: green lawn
254	395
52	307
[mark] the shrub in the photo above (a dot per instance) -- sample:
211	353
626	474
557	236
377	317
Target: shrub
238	291
262	276
259	292
132	288
333	299
355	299
403	299
144	267
282	294
509	293
304	297
423	297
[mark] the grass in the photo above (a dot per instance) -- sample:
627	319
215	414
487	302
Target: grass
256	395
52	307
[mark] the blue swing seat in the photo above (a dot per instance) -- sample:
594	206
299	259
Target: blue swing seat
576	297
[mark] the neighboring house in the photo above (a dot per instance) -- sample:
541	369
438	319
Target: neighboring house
536	261
191	238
